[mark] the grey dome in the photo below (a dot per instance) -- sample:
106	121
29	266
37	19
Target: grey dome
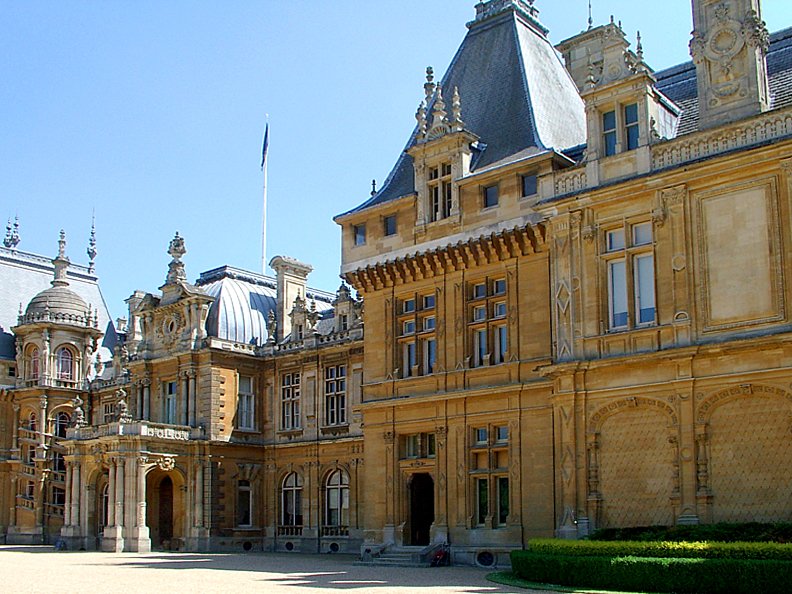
58	303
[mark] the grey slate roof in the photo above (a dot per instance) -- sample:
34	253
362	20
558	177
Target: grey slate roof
23	275
678	83
243	300
511	82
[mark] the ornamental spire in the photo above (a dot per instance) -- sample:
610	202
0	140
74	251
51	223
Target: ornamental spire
91	251
429	86
456	111
176	250
61	263
12	234
439	112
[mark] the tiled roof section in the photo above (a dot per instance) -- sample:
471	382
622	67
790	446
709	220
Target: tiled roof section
24	275
678	83
511	82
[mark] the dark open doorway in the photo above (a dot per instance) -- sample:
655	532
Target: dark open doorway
421	508
165	511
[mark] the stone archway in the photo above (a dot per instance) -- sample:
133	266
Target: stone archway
421	499
165	509
746	450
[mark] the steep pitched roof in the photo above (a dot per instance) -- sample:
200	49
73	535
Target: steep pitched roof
511	82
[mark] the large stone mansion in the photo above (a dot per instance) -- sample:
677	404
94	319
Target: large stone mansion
578	314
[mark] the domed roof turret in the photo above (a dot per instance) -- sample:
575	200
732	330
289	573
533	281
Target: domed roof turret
58	304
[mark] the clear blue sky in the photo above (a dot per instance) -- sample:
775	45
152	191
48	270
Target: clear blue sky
151	113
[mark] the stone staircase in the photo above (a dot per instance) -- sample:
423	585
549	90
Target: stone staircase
401	557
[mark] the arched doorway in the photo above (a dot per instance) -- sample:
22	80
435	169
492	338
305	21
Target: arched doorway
421	488
165	509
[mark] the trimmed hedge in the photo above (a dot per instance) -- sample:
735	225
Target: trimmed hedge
679	550
721	532
642	574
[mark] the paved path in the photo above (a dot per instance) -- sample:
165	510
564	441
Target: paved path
41	569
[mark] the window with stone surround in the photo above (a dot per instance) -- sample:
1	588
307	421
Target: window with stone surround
169	402
620	129
291	501
244	509
290	401
488	332
439	185
246	404
416	324
336	504
335	395
489	464
629	269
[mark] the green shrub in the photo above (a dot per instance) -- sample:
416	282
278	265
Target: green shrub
665	549
643	574
722	532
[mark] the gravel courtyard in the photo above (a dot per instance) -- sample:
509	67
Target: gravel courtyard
41	569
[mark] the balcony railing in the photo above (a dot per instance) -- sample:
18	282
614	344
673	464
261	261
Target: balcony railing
28	470
290	530
58	477
138	428
335	530
25	502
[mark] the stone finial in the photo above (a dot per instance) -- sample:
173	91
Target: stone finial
456	111
91	251
420	116
176	250
121	408
61	262
7	240
373	187
590	19
438	112
429	86
78	418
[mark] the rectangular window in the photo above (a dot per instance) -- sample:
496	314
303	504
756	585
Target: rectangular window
389	224
499	310
644	289
335	395
480	353
631	125
502	433
246	404
479	313
408	359
480	436
479	291
359	233
609	132
501	342
408	327
343	322
617	289
615	240
503	499
430	445
408	306
482	500
429	323
430	355
11	371
529	186
290	401
244	504
499	286
169	391
412	446
642	234
446	169
490	196
428	301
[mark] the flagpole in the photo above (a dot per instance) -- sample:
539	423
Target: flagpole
264	146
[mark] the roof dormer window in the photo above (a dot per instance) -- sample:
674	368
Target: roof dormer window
440	191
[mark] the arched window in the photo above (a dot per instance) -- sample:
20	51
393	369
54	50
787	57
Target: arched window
33	368
64	364
103	505
291	500
62	421
336	508
31	422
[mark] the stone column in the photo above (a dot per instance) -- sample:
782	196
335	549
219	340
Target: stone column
67	505
198	496
12	509
111	494
42	426
75	494
185	399
140	541
147	399
192	399
119	493
15	429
